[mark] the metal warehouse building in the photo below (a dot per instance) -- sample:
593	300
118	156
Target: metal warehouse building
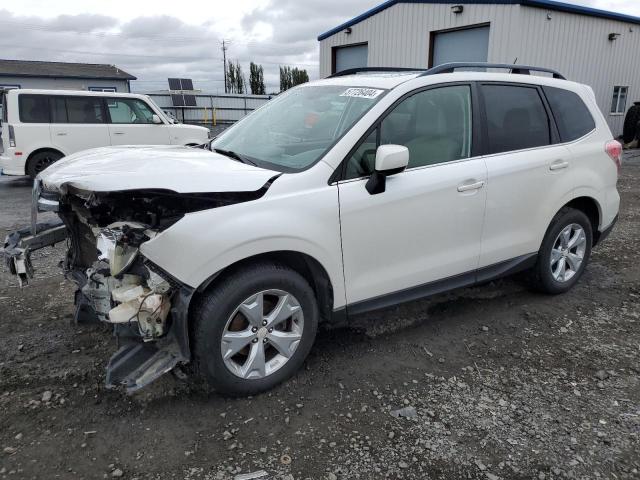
596	47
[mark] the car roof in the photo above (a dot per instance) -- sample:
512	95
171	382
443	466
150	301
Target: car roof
21	91
390	80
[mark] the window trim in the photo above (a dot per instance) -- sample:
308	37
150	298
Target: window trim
618	113
103	89
339	173
554	135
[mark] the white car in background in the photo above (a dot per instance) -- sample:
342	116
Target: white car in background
340	196
39	127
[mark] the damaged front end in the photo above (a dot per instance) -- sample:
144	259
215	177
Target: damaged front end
116	284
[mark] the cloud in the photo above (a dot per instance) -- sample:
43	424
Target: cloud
155	47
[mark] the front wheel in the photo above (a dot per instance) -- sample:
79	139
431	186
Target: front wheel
254	329
564	253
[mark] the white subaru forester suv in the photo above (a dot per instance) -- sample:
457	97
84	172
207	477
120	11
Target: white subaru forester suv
340	196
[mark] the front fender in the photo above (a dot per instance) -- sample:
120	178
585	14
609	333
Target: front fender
204	243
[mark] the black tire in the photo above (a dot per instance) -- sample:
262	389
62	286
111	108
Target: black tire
215	308
543	279
631	120
41	160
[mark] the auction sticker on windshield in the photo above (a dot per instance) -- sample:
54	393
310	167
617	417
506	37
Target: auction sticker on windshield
361	92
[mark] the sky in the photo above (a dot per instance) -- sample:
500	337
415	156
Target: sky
154	40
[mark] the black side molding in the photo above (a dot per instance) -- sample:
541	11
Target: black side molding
485	274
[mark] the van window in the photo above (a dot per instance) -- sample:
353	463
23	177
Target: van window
571	114
33	108
516	118
58	110
84	110
129	110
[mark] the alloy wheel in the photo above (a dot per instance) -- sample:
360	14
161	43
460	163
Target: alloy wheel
262	334
568	252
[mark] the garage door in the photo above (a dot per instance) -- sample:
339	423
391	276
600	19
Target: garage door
468	45
354	56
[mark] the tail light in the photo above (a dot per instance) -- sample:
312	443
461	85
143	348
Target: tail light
12	137
614	150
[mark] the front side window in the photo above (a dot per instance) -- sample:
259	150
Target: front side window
84	110
619	101
516	118
571	114
129	110
434	125
34	108
295	129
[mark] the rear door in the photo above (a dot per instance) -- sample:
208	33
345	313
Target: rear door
529	173
131	123
78	123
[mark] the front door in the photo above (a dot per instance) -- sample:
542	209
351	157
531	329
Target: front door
132	123
426	226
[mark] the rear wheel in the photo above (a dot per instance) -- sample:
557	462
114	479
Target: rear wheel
41	160
254	329
564	253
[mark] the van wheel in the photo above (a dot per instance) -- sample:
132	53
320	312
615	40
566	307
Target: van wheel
254	329
564	253
41	160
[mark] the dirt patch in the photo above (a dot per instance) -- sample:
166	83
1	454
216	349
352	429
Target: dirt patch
501	383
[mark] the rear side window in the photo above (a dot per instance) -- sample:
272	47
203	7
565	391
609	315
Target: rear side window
84	110
516	118
571	114
34	108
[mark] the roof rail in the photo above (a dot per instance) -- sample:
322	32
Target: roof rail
514	68
351	71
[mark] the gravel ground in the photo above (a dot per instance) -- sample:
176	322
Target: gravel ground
490	382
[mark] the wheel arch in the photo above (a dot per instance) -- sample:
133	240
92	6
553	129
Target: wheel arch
592	209
40	150
307	266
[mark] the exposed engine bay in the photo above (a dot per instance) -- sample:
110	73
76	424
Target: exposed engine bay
116	284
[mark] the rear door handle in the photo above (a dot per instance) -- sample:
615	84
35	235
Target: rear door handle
118	133
558	165
61	134
465	187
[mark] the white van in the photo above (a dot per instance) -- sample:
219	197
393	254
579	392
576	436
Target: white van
40	127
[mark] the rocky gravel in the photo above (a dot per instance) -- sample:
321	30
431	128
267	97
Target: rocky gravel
491	382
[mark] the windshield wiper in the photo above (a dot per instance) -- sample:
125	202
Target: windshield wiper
234	155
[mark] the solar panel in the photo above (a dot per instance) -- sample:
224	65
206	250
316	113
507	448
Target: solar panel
175	84
177	100
187	84
190	100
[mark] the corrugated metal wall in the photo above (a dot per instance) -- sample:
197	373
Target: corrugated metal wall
576	45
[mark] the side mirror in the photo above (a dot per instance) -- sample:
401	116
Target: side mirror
156	119
390	159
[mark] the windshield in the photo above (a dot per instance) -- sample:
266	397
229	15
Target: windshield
296	129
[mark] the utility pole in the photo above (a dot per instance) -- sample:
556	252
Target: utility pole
224	60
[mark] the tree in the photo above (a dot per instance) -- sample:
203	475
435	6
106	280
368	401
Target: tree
290	77
256	79
235	78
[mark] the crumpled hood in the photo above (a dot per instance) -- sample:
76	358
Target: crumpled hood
176	168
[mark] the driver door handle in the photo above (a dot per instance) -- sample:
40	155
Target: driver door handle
465	187
118	133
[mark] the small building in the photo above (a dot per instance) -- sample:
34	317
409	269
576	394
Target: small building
595	47
63	76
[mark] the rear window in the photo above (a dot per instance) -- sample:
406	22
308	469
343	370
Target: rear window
516	118
571	114
34	108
